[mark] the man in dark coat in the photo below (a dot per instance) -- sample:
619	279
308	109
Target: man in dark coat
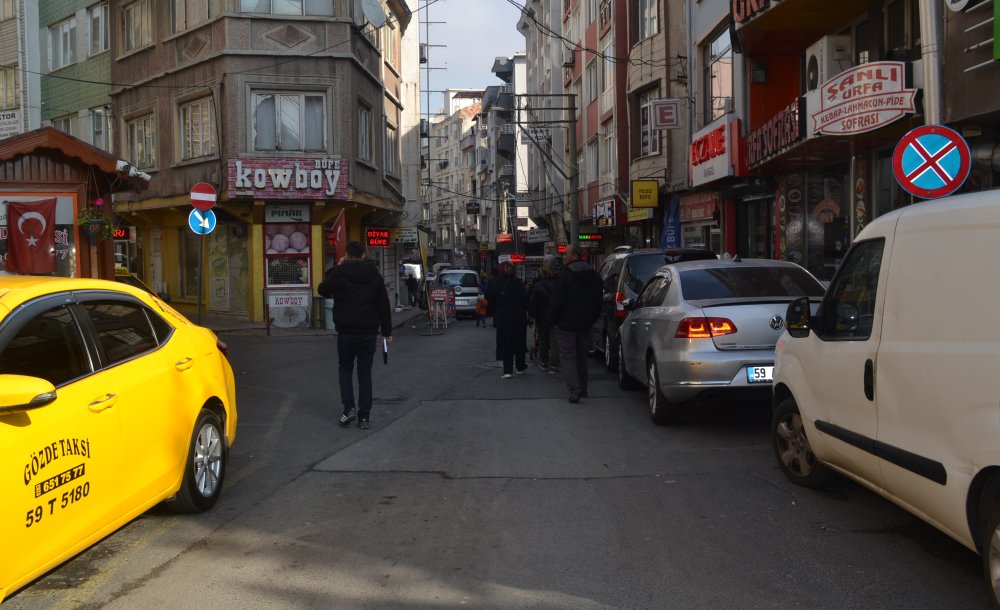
411	289
508	302
541	308
576	306
360	310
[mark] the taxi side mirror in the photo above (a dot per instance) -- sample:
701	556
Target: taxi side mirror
23	393
798	318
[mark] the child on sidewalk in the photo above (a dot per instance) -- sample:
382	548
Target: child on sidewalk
481	310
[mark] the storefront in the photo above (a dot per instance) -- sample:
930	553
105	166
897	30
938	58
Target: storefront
50	184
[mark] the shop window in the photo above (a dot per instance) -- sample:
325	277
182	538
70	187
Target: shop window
190	267
289	121
197	124
648	138
99	41
889	195
138	25
10	87
141	142
827	220
287	252
718	87
62	44
187	14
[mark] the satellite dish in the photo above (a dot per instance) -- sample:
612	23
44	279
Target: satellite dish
373	12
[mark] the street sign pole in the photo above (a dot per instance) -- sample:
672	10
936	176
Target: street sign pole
203	197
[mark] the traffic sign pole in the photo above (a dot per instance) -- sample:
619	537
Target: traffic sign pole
202	221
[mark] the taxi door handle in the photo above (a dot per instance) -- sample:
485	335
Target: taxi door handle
185	364
105	402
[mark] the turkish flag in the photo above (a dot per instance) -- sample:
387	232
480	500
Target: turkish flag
31	236
340	235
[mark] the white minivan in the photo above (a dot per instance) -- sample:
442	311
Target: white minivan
894	381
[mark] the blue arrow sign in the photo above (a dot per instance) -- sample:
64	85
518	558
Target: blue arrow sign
202	222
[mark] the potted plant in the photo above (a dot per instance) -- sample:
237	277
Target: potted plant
94	220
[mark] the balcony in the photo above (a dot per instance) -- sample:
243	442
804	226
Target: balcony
443	164
507	141
467	141
507	169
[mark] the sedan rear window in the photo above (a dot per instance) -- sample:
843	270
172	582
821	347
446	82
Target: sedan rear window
748	282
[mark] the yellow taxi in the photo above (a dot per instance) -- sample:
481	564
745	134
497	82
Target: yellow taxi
110	403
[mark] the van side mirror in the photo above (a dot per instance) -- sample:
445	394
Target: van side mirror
798	318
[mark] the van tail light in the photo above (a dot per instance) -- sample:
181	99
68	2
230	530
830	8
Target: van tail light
704	328
219	343
620	305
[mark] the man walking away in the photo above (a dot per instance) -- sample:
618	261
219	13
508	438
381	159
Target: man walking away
576	306
360	309
411	289
541	305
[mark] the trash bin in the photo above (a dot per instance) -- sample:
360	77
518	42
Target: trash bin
328	314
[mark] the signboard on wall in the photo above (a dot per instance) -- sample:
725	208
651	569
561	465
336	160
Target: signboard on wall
666	114
713	150
10	123
288	178
861	99
645	193
377	237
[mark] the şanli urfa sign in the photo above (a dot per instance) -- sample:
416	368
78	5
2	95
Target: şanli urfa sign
862	99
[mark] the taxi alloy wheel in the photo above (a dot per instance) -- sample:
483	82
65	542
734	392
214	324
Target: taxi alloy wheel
792	448
205	467
991	555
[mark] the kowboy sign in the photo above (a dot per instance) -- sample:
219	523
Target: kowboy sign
863	99
288	178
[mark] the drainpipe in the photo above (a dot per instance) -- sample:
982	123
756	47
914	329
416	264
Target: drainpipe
931	18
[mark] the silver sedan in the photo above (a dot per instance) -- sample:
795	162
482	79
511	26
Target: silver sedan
707	330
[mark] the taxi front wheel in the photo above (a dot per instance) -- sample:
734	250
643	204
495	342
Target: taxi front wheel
205	466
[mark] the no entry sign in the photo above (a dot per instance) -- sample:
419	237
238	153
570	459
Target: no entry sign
203	196
931	161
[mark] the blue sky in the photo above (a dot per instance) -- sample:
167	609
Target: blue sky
476	32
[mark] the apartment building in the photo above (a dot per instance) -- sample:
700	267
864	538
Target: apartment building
292	111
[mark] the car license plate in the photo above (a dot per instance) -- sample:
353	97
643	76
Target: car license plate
759	374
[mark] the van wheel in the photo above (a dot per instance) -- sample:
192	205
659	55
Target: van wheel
989	545
610	354
204	468
661	410
792	448
625	381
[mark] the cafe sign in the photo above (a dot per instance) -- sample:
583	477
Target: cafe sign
863	99
288	178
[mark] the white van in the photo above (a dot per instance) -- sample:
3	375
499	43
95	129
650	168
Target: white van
895	380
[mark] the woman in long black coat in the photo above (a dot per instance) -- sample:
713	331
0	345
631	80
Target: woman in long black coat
509	304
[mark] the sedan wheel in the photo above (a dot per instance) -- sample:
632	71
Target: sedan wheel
205	467
792	448
625	381
991	555
661	411
610	355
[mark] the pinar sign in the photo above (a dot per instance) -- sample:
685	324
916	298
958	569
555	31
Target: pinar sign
864	98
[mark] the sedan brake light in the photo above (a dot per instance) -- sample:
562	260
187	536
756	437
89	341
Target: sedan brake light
704	328
620	305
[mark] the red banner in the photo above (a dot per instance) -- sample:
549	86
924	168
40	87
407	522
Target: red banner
339	235
31	241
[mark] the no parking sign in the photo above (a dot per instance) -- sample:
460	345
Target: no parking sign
931	161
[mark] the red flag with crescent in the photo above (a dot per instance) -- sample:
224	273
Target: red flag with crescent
31	236
340	234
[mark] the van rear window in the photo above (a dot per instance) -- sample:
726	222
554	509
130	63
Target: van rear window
748	282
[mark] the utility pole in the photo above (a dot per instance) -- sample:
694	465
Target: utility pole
574	175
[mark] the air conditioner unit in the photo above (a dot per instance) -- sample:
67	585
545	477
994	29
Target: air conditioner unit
569	58
826	58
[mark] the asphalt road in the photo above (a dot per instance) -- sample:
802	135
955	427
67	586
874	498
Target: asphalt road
474	492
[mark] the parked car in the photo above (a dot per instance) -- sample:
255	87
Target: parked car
707	329
465	283
893	382
110	403
623	274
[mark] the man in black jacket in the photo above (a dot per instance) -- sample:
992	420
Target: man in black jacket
576	305
360	309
